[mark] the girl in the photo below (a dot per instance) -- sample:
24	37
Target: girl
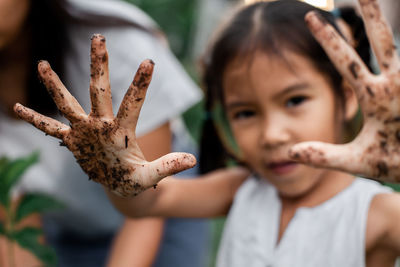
277	88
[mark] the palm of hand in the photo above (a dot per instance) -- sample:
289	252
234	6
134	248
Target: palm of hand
375	152
380	136
108	155
105	146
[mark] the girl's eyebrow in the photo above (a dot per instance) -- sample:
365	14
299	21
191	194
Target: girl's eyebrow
294	87
236	104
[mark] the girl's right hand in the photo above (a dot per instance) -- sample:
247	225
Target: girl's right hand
375	152
105	146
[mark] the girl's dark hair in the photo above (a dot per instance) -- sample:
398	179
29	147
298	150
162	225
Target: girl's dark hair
48	32
356	24
268	27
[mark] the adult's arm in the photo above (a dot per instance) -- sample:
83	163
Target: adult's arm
138	240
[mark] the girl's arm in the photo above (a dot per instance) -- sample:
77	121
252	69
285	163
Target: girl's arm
106	147
375	152
383	228
209	196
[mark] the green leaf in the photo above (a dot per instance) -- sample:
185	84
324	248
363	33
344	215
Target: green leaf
194	118
2	229
11	172
3	162
35	203
224	129
395	187
28	239
179	28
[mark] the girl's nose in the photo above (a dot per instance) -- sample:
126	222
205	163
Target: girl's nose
274	132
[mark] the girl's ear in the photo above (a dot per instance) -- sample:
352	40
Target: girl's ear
351	102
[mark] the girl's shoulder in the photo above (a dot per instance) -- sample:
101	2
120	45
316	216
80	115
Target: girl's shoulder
386	204
383	218
362	192
371	186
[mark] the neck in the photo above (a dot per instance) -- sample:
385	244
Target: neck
332	183
14	73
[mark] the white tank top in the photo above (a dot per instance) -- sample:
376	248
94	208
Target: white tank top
331	234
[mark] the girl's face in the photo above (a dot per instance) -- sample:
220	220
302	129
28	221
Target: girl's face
12	17
271	105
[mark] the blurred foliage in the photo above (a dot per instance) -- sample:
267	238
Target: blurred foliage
217	229
176	19
28	237
193	119
395	187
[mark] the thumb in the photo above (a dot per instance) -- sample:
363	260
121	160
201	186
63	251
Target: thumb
324	155
169	164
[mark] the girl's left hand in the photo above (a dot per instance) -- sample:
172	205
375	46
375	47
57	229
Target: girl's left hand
375	152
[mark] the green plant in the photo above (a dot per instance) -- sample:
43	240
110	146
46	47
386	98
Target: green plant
179	30
28	237
179	27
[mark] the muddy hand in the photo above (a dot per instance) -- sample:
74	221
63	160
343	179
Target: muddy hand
105	146
375	152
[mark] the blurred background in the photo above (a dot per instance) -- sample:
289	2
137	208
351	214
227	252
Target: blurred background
189	24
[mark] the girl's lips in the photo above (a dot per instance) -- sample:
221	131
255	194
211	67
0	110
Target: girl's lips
282	167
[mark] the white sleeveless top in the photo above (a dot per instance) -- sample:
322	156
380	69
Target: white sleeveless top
331	234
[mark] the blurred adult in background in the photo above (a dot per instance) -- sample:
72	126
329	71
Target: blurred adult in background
390	8
60	31
352	27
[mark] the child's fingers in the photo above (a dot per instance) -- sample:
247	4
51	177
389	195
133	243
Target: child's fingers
100	92
129	110
323	155
380	35
65	102
48	125
167	165
343	56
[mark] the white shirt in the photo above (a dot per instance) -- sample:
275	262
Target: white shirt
330	234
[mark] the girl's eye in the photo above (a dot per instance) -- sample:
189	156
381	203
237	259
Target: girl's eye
243	114
295	101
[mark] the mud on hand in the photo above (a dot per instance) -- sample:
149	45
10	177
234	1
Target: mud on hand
375	152
105	145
